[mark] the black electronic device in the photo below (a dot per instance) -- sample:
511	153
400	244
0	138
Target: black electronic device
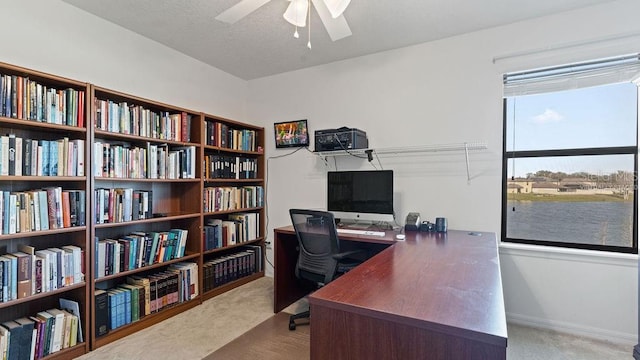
361	195
340	139
441	224
427	226
413	222
315	221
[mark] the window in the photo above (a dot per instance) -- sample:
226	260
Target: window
570	158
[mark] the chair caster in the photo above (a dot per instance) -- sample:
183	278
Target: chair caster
292	325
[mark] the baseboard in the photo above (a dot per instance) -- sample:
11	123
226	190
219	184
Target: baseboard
574	329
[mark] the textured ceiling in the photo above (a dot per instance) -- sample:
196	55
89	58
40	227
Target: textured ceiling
262	43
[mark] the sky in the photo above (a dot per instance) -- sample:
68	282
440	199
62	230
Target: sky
600	116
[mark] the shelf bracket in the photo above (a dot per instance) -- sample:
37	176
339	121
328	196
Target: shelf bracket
466	158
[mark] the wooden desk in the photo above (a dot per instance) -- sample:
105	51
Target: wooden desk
431	296
289	289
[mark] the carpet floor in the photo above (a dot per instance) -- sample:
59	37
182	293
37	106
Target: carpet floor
271	340
240	324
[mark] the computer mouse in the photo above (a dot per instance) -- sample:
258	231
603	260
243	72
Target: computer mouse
400	236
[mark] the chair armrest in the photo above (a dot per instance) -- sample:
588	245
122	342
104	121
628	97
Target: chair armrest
346	254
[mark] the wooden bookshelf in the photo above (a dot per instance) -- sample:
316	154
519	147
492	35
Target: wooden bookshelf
233	159
46	124
116	168
178	200
154	150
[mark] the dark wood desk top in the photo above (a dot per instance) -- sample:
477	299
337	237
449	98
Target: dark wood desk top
448	283
388	238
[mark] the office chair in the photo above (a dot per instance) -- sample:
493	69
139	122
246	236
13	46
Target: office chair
319	256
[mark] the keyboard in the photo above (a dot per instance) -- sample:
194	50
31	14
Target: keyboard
361	232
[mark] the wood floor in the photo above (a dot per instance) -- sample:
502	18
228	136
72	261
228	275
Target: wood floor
270	340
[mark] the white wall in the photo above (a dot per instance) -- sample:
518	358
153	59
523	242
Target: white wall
57	38
450	91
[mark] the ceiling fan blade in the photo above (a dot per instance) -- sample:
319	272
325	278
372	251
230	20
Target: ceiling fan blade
338	27
240	10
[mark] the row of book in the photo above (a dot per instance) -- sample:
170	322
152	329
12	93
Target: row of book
228	268
222	135
134	119
28	271
222	198
137	250
42	334
62	157
116	205
41	209
23	98
123	160
237	229
144	295
230	167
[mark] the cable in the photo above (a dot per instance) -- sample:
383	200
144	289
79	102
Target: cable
513	158
378	158
326	163
347	150
266	197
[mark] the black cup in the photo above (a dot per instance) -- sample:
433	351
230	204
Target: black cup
441	224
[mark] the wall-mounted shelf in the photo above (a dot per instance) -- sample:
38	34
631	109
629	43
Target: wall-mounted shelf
470	146
382	152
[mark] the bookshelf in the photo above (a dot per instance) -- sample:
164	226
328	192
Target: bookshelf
43	116
233	204
125	200
146	187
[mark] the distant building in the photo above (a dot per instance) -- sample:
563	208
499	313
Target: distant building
519	186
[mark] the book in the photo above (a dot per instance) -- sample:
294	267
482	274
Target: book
12	154
52	208
58	329
73	336
66	210
12	276
46	258
44	210
66	337
39	335
102	315
146	285
48	335
15	337
73	307
26	340
18	156
4	340
133	301
26	163
76	256
54	167
4	155
31	251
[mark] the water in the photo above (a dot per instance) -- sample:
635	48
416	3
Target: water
602	223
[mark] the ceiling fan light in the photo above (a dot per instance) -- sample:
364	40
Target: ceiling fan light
336	7
296	13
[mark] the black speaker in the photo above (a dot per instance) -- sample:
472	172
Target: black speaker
441	224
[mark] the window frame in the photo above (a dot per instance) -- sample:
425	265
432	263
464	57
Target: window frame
514	154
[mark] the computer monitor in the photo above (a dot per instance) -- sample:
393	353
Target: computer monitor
361	195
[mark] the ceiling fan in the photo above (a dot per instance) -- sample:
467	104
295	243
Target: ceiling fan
330	12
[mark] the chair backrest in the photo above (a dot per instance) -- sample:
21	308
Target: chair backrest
317	242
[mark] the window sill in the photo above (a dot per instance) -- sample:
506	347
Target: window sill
558	253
